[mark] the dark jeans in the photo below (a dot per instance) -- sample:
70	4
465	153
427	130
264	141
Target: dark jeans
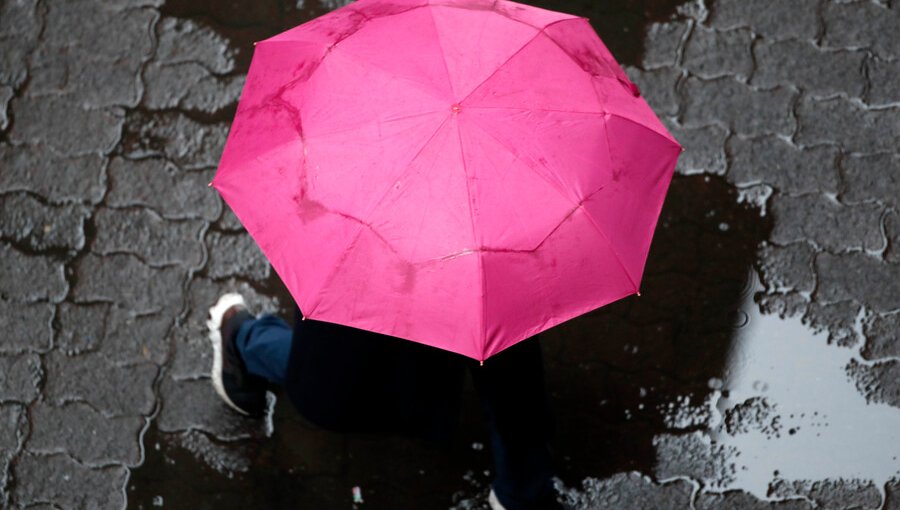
510	386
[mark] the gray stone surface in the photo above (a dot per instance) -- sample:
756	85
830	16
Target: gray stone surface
662	42
733	500
630	490
772	19
6	93
704	149
694	456
26	220
80	379
782	165
868	177
142	232
133	338
882	334
79	431
20	376
737	106
844	22
47	281
186	142
879	382
192	404
60	479
883	78
860	277
161	186
235	255
60	121
657	87
41	170
787	267
827	223
862	130
808	67
13	425
19	26
81	327
148	290
892	232
712	53
25	326
838	319
830	494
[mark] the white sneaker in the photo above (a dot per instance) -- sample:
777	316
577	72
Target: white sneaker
494	502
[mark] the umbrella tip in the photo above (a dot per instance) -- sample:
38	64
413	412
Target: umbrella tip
638	293
481	363
209	185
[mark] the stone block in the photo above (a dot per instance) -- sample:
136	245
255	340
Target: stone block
40	226
772	19
787	268
737	106
26	326
868	177
662	42
782	165
123	279
860	277
60	122
161	186
711	53
46	279
68	484
862	25
809	68
20	377
831	225
84	434
235	255
156	241
41	170
882	333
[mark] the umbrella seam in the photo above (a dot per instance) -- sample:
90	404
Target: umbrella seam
437	37
499	67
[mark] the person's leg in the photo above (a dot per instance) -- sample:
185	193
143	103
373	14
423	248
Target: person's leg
264	345
511	388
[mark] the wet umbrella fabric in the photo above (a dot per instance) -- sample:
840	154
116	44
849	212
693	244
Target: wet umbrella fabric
459	173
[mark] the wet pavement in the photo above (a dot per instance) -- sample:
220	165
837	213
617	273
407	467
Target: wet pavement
758	368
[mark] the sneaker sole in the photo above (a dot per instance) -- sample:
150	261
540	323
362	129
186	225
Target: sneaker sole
214	324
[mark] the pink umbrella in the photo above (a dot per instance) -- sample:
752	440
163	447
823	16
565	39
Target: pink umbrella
460	173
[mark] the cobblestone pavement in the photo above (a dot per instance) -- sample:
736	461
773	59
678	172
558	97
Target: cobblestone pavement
113	116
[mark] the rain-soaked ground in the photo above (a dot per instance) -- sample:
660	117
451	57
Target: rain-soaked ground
692	369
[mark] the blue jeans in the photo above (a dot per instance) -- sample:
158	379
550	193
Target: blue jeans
510	387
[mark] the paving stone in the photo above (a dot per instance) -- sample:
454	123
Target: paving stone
60	122
737	106
193	353
892	232
41	170
882	334
161	186
662	42
81	327
25	219
858	276
808	67
235	255
703	149
63	481
144	233
629	490
228	221
19	29
883	78
112	389
829	494
868	177
782	165
740	500
843	22
712	53
13	421
20	376
87	436
46	280
772	19
693	455
657	87
892	494
6	93
26	326
839	319
182	41
189	86
136	338
784	304
831	225
186	142
194	405
861	130
123	279
228	459
787	268
879	382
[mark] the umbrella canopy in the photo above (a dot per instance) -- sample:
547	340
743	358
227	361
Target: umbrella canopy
460	173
